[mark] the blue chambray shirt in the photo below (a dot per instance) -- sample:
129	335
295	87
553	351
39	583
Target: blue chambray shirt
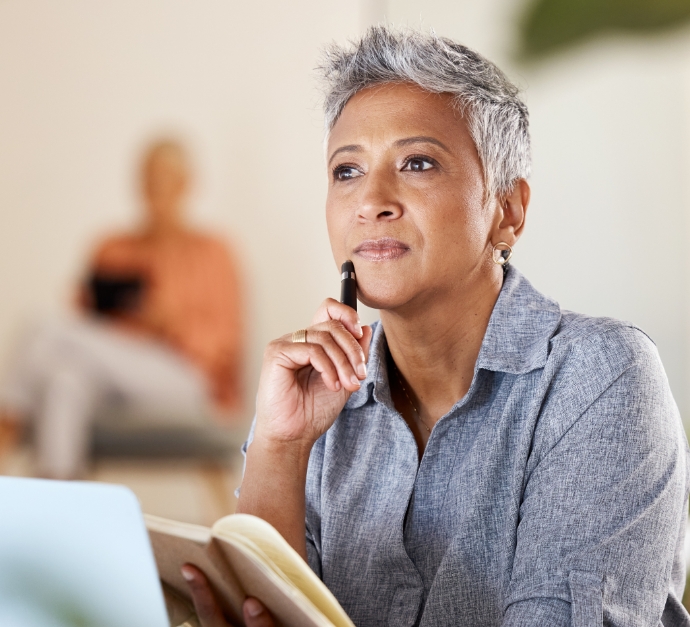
554	493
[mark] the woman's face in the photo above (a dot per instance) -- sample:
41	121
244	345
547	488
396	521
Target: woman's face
164	182
406	197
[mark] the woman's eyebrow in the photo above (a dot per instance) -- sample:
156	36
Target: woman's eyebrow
348	148
422	139
418	139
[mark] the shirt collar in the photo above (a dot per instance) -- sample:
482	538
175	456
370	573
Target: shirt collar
520	329
517	339
376	381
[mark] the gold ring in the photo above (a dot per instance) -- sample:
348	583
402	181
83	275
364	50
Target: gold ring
299	336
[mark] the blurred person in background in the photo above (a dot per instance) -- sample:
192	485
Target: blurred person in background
159	329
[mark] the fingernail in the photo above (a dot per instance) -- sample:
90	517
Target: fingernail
362	370
358	329
355	380
337	385
188	575
253	607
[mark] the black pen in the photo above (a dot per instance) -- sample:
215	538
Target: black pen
348	285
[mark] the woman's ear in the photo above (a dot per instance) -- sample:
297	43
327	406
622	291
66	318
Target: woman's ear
511	213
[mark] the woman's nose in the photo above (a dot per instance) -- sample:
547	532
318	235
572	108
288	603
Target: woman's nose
379	200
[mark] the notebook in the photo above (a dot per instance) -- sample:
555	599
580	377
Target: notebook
242	556
75	554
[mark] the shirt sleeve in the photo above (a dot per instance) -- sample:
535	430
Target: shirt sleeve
313	506
603	507
313	500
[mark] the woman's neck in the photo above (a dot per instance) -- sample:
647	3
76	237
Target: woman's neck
436	349
164	230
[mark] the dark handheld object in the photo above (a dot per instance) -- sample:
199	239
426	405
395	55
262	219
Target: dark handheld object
348	285
112	295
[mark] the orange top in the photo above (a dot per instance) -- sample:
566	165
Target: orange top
191	300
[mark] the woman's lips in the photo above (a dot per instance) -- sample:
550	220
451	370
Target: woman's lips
381	249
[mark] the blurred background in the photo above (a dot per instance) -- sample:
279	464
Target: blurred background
87	86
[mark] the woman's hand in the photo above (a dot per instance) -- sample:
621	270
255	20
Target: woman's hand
304	386
302	389
208	609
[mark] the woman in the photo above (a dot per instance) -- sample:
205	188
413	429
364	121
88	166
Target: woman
167	338
478	457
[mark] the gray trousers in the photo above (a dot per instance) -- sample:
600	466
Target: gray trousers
65	370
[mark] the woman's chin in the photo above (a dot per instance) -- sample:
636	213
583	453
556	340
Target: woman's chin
383	298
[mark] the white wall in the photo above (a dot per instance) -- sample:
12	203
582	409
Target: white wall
84	84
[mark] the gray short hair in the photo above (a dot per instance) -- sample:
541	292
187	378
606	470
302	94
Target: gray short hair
496	117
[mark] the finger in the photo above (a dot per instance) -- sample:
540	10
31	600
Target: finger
343	350
331	309
255	614
207	608
295	356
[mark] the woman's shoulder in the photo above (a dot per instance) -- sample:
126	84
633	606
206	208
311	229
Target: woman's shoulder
212	247
566	346
119	239
116	247
607	373
582	334
590	353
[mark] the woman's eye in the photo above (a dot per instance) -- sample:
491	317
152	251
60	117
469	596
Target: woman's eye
345	173
418	164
